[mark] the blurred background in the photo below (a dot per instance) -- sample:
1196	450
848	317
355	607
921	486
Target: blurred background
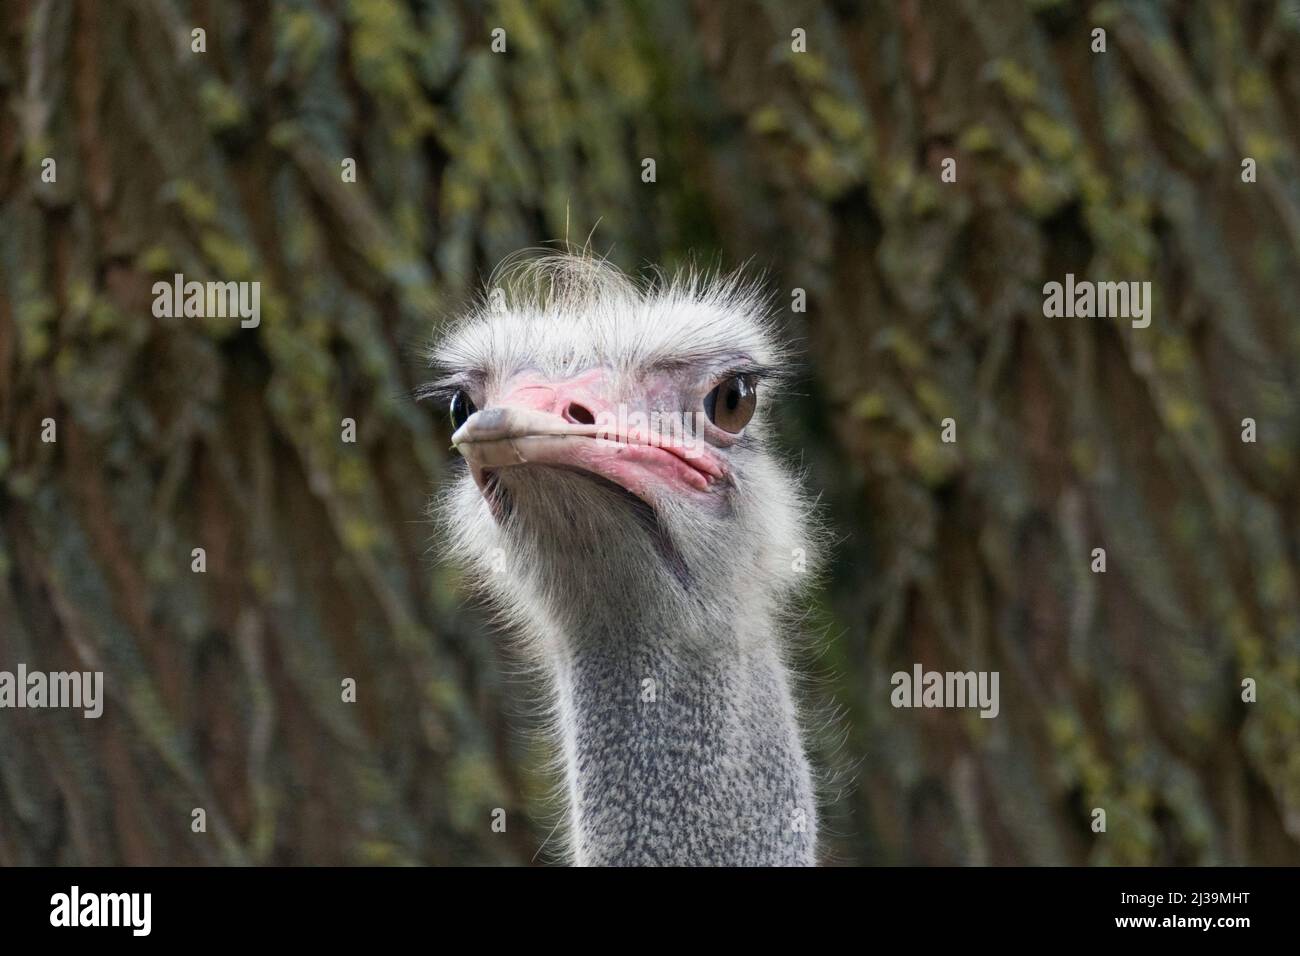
1119	690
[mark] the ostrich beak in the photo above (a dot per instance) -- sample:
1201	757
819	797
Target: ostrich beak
523	430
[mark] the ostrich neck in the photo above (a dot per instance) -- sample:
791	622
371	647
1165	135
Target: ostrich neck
677	755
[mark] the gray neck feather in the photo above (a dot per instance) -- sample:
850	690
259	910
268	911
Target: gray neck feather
674	712
678	755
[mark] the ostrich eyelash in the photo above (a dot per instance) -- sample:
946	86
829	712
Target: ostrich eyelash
760	373
729	367
771	379
442	390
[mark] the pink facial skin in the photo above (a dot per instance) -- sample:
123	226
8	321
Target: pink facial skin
571	424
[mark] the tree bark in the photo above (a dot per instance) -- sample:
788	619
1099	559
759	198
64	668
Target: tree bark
1120	690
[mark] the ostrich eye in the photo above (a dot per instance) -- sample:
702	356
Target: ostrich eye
462	407
730	406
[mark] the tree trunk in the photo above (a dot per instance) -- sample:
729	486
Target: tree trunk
1120	691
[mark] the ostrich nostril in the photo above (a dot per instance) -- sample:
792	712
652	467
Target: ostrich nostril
580	414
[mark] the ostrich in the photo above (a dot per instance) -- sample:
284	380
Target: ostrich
650	571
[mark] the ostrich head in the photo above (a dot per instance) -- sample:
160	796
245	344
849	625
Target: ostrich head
623	505
617	442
